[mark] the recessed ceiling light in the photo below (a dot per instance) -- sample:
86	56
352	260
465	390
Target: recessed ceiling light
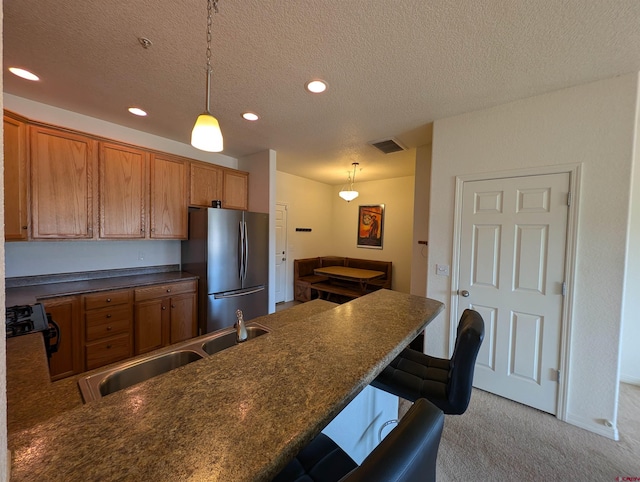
250	116
316	86
137	111
25	74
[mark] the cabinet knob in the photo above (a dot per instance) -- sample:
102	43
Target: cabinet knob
173	306
108	346
164	307
168	290
24	227
109	315
108	300
108	328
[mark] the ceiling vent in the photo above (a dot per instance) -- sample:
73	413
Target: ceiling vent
387	146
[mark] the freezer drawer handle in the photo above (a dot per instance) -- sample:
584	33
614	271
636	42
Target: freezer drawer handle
235	294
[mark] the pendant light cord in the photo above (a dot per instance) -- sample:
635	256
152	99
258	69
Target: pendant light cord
212	6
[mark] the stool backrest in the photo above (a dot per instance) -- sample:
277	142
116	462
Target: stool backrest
408	453
468	340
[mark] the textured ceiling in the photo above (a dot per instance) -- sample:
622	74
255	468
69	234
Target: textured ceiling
393	67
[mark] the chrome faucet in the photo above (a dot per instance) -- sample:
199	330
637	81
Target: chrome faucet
241	329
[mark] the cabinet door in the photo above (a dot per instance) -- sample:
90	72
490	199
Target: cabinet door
206	184
183	317
67	360
235	187
122	181
168	198
15	180
150	325
62	190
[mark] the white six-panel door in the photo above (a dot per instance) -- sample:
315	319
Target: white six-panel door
511	270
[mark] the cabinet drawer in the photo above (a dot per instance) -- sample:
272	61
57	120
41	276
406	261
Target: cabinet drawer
108	351
162	291
106	298
107	322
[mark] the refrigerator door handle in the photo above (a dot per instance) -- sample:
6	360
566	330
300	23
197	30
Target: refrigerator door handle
241	252
246	251
235	294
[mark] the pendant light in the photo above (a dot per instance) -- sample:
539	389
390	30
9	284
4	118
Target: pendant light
206	134
349	195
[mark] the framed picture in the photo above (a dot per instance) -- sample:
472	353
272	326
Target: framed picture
370	226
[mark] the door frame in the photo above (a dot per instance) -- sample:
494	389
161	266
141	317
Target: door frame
574	171
286	247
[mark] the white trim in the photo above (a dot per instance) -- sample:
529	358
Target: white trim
286	251
574	171
595	426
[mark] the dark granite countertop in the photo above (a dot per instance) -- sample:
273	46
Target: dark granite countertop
239	415
27	295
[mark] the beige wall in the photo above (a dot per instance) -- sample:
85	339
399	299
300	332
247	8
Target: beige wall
308	206
333	221
592	124
420	254
397	196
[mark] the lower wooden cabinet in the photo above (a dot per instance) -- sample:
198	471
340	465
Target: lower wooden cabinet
67	361
100	328
108	327
165	314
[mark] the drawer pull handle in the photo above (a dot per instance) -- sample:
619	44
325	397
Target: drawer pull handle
108	328
108	300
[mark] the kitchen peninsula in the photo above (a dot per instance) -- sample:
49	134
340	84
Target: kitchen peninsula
238	415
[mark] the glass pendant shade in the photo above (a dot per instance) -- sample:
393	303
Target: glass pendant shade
348	195
206	134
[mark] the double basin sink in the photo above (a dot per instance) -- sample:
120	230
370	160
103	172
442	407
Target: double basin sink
129	373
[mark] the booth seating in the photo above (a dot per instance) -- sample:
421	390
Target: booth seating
304	278
407	454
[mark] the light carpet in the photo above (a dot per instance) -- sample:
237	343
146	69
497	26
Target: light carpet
497	439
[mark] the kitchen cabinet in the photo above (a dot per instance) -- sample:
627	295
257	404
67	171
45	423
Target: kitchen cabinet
122	173
15	180
62	184
205	185
169	203
67	361
108	327
164	314
235	189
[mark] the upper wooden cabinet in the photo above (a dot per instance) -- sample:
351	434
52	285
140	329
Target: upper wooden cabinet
235	184
169	205
16	210
206	184
123	192
62	184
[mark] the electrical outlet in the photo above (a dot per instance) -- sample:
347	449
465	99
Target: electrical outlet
442	269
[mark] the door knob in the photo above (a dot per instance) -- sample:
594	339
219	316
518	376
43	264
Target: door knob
464	293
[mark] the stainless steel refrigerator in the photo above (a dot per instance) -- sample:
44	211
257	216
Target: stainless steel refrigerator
229	251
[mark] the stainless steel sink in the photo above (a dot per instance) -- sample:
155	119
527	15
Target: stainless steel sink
228	340
131	372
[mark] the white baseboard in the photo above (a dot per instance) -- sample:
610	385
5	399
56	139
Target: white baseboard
629	379
595	426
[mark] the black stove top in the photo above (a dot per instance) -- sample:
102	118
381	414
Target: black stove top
23	319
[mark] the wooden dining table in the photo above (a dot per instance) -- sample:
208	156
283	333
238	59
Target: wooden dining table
355	275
